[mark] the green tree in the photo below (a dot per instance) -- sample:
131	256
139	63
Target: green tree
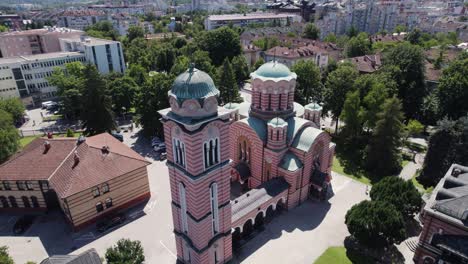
221	43
70	133
311	31
135	32
14	107
241	68
373	103
414	36
122	91
102	29
338	84
3	28
227	85
4	257
399	28
202	61
383	155
330	38
452	91
351	115
308	86
375	224
358	46
137	73
9	140
125	251
352	32
398	192
258	63
96	112
181	65
70	83
408	71
413	128
153	97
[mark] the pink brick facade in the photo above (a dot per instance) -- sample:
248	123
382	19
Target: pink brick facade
278	159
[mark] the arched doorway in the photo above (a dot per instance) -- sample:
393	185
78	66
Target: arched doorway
269	213
280	205
35	202
259	221
26	202
236	238
4	202
247	228
13	201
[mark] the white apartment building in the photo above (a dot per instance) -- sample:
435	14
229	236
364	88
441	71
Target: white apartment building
81	19
106	55
241	20
25	76
129	9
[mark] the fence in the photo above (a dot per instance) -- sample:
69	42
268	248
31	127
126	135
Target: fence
54	129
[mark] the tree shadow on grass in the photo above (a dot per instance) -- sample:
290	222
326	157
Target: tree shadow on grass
361	254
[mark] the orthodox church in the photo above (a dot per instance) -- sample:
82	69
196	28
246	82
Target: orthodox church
231	167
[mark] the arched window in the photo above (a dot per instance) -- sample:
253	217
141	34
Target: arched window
26	202
183	208
178	148
211	152
13	201
214	207
4	202
34	201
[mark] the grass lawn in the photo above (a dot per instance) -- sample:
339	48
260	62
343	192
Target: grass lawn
420	186
26	140
52	118
338	255
337	167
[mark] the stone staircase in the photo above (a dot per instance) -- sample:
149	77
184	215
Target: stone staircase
412	243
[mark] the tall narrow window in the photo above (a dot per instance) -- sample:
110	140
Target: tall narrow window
26	202
211	152
214	207
269	102
34	201
279	102
178	151
183	208
259	100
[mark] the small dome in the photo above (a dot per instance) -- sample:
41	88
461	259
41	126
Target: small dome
314	107
277	122
193	84
273	69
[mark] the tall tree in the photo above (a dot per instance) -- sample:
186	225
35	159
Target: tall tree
13	106
373	103
414	37
4	257
351	115
125	251
221	43
383	155
153	97
258	63
409	74
375	224
241	68
311	31
227	85
398	192
453	89
309	86
96	113
137	73
9	139
135	32
338	84
358	46
122	91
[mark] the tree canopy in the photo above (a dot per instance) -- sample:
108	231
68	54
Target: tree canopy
14	107
123	92
135	32
9	138
124	252
308	85
358	46
375	224
452	90
5	257
351	115
227	85
311	31
398	192
221	43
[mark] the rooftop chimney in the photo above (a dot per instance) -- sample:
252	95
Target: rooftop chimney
105	150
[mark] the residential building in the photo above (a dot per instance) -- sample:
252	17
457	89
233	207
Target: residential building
81	19
25	77
251	54
290	56
444	237
86	179
116	9
35	41
241	20
306	9
106	55
89	256
366	64
122	21
12	21
231	167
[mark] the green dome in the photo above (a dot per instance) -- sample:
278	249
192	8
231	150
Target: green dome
314	106
193	84
277	122
273	69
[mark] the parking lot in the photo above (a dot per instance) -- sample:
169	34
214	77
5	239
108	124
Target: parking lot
306	231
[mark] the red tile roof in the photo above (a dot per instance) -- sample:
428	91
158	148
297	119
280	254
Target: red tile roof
366	63
67	177
33	163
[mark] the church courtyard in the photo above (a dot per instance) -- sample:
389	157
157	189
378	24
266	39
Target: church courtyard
306	231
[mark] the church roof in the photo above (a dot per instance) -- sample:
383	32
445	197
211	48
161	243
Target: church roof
257	125
305	138
193	84
313	106
290	162
277	122
273	70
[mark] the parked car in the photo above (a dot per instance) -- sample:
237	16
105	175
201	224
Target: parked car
46	104
118	136
110	222
23	224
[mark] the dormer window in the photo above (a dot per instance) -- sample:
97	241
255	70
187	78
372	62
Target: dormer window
96	192
105	188
21	185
